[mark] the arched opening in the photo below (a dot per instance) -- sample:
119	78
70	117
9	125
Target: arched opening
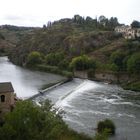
2	98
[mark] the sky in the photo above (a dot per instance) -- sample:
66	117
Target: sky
39	12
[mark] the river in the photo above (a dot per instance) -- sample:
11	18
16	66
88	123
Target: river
26	83
83	102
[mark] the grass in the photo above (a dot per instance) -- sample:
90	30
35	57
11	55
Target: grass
55	70
135	86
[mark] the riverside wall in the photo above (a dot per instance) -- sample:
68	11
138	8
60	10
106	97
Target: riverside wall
105	76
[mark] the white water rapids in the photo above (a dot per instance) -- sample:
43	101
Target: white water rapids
85	102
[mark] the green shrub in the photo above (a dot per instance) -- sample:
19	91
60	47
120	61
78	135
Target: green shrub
133	63
31	122
117	59
64	64
54	69
54	59
67	74
106	125
82	63
34	58
132	86
113	67
102	136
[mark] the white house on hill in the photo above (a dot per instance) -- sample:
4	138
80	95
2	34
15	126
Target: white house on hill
128	32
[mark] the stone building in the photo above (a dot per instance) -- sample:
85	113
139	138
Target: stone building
7	97
128	32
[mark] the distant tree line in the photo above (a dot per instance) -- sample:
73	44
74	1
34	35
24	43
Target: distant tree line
102	22
16	28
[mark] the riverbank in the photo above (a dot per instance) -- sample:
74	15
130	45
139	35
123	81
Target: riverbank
25	82
125	80
51	69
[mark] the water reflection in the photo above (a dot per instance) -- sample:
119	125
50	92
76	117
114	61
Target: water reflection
25	82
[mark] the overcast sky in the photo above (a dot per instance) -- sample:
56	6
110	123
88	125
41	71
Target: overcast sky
39	12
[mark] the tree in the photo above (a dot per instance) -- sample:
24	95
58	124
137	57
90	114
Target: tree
114	67
106	125
78	19
64	64
31	122
117	59
34	58
133	63
135	24
113	22
89	20
54	59
82	63
103	20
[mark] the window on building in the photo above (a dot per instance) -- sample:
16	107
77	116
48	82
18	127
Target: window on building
2	98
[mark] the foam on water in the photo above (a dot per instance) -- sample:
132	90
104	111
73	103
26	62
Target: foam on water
88	102
74	121
83	87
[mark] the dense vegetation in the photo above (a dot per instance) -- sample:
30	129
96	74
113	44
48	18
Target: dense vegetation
106	125
10	35
31	122
79	44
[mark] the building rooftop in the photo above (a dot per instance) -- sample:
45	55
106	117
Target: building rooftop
6	87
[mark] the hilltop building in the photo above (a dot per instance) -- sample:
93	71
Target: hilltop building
7	97
128	32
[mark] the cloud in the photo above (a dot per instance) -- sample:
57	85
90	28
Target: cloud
13	17
38	12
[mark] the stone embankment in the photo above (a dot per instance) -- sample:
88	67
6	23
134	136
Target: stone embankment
109	77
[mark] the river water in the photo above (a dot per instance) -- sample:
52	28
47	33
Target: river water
25	82
83	102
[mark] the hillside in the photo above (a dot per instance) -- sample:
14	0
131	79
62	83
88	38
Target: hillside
10	35
72	37
78	44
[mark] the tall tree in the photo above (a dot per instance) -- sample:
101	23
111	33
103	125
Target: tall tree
135	24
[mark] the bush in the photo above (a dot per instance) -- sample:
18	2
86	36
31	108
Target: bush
113	67
102	136
54	59
133	63
106	125
135	86
64	64
117	59
34	58
82	63
31	122
54	69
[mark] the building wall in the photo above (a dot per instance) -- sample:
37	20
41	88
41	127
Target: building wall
128	32
106	77
8	103
81	74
